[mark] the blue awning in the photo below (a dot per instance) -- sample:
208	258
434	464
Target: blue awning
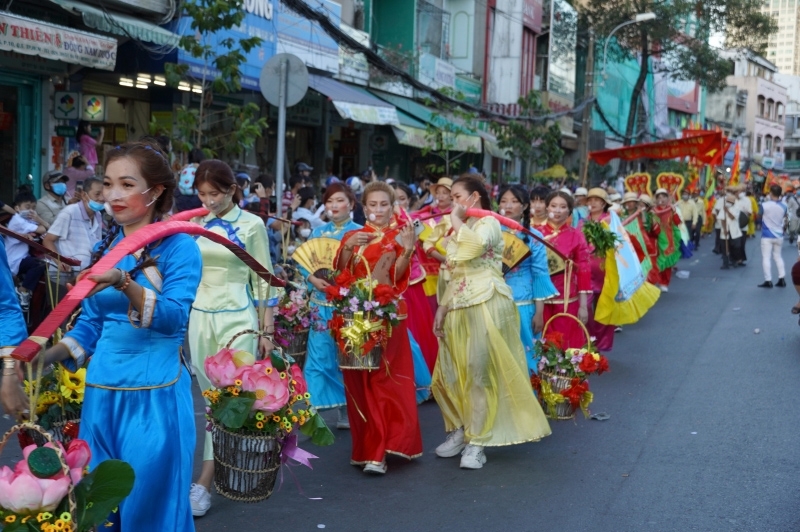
354	103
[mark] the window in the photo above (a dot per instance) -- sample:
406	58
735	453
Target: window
770	109
777	144
768	145
758	144
761	102
528	70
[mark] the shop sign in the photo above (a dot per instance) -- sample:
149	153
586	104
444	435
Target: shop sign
470	89
93	108
353	66
67	106
367	114
66	131
306	113
33	37
436	73
532	15
31	63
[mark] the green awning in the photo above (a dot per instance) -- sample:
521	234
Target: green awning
119	24
462	139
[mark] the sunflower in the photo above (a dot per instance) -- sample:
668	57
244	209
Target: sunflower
73	385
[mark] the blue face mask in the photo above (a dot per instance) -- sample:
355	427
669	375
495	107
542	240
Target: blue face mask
96	206
246	191
59	189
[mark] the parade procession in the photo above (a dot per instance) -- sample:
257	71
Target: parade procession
398	265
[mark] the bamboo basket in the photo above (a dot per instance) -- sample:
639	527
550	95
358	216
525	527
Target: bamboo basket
564	410
365	361
246	463
298	347
56	430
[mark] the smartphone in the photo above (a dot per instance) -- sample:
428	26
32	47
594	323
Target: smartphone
417	226
273	204
79	186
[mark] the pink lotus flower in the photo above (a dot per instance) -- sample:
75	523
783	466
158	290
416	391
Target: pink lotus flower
272	392
23	493
220	369
296	373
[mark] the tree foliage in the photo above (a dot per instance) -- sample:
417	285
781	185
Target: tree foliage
445	132
235	128
537	143
679	37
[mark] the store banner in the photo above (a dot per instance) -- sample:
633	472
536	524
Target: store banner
33	37
367	114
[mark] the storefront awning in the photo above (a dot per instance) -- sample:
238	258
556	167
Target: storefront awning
119	24
353	103
458	137
491	147
35	37
411	132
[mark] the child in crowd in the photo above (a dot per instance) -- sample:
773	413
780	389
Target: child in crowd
27	268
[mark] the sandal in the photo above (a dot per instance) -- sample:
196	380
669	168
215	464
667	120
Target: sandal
795	310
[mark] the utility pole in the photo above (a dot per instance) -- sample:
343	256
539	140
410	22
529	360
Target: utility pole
586	124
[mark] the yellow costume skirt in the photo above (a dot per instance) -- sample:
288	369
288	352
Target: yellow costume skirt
481	379
609	311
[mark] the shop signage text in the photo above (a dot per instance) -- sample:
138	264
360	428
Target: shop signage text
260	8
32	37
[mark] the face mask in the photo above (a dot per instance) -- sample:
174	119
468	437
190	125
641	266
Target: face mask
217	207
246	191
305	232
96	206
59	189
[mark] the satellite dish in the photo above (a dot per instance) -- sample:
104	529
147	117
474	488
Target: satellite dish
296	79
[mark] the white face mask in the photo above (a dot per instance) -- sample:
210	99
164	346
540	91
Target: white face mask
305	232
218	206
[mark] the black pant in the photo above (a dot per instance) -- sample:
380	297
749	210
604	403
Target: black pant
30	272
719	246
695	234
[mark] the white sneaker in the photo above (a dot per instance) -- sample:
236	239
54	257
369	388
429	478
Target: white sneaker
376	469
24	298
472	457
200	499
344	421
664	288
453	445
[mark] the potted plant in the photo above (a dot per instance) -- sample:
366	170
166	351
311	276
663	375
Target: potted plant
49	488
256	409
294	318
561	384
365	311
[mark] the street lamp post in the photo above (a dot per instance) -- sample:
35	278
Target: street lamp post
641	17
589	89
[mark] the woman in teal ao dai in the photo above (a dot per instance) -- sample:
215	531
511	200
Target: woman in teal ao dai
321	370
529	280
138	401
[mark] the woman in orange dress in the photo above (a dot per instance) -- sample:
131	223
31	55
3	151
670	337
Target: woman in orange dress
381	404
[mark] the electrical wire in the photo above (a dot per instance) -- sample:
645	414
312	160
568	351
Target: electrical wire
302	8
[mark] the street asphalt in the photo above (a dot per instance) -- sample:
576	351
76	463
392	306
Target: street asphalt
701	437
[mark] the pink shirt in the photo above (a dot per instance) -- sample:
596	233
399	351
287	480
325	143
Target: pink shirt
87	149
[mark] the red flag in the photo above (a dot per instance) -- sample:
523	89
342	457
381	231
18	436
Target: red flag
735	167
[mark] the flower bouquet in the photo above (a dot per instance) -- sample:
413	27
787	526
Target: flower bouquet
49	489
561	384
58	409
294	317
256	407
365	311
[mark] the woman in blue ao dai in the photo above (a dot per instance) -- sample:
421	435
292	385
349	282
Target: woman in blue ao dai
530	280
138	401
321	370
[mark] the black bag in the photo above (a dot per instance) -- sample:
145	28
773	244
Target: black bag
744	220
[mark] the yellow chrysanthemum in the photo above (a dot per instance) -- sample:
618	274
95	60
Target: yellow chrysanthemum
10	518
260	416
73	385
259	425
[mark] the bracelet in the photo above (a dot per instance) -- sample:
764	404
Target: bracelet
408	253
348	248
9	363
124	281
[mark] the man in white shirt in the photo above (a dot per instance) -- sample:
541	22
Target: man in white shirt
53	199
27	268
773	213
726	213
75	231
